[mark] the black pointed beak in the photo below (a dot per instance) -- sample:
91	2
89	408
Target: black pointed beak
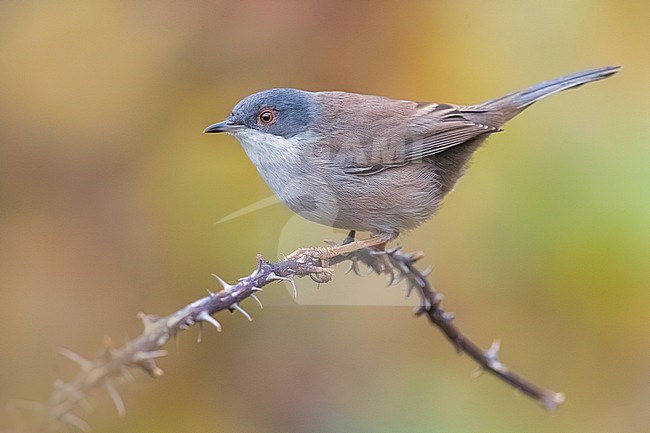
225	126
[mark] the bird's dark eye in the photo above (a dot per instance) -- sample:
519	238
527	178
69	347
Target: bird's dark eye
266	116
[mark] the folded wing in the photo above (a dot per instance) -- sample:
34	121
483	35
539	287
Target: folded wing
433	128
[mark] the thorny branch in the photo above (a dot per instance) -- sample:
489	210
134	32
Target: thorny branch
67	399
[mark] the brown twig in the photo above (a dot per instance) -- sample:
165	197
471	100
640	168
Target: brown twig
63	406
488	360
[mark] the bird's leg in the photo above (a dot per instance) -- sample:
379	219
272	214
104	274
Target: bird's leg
348	246
350	237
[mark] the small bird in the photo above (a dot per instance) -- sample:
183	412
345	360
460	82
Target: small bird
370	163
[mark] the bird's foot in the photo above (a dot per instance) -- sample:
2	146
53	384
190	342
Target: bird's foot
348	246
322	274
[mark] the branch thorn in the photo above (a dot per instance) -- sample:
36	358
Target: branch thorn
75	421
254	296
222	282
447	316
274	277
260	264
493	352
83	363
204	316
241	310
117	400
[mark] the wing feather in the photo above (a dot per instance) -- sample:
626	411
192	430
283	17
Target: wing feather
442	129
430	129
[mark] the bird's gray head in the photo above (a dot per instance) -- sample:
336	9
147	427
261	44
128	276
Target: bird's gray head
280	112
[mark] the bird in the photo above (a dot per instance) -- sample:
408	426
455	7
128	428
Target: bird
370	163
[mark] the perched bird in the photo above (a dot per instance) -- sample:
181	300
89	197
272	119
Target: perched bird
370	163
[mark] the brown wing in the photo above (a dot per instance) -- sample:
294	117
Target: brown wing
437	127
427	130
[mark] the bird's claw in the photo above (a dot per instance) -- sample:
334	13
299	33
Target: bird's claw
323	273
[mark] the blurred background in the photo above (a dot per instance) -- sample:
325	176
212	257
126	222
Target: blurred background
109	194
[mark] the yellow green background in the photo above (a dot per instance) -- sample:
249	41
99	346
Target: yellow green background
109	193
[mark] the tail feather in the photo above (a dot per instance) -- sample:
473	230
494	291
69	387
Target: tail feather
513	103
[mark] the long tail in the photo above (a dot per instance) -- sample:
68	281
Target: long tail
508	106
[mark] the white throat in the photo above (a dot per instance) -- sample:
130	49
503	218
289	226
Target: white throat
277	159
268	150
